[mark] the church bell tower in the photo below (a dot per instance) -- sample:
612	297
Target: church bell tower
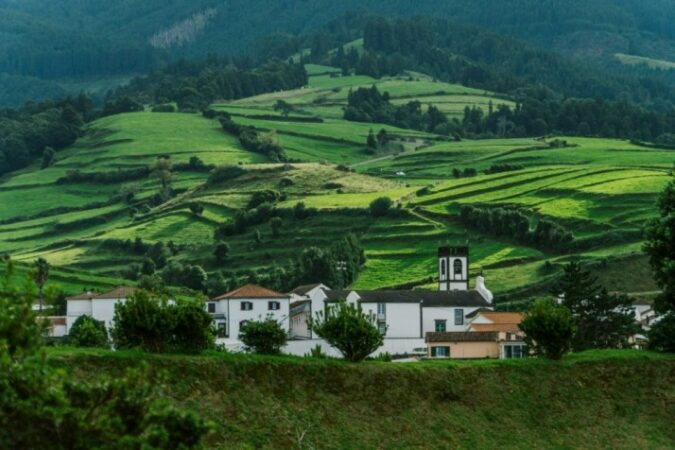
453	268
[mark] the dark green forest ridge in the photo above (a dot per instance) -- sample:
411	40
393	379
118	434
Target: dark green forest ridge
51	48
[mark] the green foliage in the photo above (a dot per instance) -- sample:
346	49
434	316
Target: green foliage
275	225
346	327
40	408
662	334
548	329
221	251
196	208
225	173
660	247
602	320
380	206
47	157
188	275
154	325
88	332
263	336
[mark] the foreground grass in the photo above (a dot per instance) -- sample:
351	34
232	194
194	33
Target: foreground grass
600	399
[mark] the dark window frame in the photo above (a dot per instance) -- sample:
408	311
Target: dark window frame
272	303
246	306
459	316
211	307
438	322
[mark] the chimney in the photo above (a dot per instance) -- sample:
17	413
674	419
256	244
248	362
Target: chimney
482	290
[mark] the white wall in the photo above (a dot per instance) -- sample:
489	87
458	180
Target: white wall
259	312
402	319
431	314
75	309
103	309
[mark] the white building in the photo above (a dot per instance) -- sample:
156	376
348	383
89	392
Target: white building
97	306
405	316
248	303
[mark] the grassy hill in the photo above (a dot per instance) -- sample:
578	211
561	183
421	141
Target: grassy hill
599	399
599	189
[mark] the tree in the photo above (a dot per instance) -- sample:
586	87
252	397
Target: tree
284	107
548	329
380	206
41	275
601	320
88	332
349	329
660	247
275	225
264	336
47	157
39	408
157	326
371	141
162	170
221	251
196	208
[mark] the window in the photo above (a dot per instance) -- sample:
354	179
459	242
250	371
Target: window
273	306
212	307
515	351
440	326
382	327
246	306
381	309
440	352
459	316
458	267
443	268
222	329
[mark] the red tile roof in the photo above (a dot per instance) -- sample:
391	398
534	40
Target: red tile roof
251	291
83	296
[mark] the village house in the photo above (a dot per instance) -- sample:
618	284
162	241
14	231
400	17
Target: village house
231	311
488	334
100	307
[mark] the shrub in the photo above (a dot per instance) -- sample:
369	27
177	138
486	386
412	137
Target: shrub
88	332
350	330
264	337
662	334
224	173
164	108
548	329
221	251
196	209
154	325
286	181
40	408
380	206
275	225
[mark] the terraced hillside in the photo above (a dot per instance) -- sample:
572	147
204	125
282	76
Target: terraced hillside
84	222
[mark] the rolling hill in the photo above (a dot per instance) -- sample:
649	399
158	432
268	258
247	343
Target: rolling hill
601	190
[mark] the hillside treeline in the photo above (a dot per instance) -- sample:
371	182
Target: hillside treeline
194	85
513	224
38	130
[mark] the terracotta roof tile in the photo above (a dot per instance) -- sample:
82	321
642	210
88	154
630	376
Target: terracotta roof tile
251	291
507	327
461	336
83	296
502	317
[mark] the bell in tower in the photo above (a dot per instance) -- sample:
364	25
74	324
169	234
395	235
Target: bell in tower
453	268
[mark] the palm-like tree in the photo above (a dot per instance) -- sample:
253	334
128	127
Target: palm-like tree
41	275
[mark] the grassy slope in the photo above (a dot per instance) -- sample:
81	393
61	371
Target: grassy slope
598	188
616	399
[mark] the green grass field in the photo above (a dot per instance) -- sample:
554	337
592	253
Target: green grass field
650	62
596	399
601	190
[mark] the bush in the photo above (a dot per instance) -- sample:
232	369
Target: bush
548	329
264	337
275	225
89	332
164	108
350	330
40	408
662	334
380	206
154	325
196	209
221	251
224	173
